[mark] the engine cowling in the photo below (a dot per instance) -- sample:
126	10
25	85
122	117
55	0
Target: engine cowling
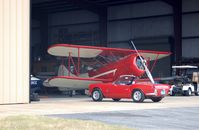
130	65
136	66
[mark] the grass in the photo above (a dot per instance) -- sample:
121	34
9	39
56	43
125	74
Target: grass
47	123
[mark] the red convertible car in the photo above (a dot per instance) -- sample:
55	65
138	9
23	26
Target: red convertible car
128	87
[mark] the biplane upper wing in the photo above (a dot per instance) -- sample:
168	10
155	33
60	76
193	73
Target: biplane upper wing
91	52
74	51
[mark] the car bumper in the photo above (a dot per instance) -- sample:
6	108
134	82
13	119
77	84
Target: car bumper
157	93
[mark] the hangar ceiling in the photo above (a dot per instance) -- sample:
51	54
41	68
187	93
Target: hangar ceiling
53	6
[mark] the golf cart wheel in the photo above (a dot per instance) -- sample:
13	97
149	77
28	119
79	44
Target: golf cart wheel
138	96
156	99
188	92
97	95
116	99
196	93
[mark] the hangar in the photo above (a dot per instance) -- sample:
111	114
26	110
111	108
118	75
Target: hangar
28	27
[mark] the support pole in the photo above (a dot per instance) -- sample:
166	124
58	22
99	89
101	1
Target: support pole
177	17
177	22
103	27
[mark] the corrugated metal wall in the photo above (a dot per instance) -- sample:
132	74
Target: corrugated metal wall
190	28
14	51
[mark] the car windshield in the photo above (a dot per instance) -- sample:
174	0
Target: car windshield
125	80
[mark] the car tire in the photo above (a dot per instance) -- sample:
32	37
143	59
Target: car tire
138	96
188	92
97	95
156	99
116	99
34	97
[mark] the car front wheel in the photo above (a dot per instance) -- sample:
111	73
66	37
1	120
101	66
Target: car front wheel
138	96
156	99
97	95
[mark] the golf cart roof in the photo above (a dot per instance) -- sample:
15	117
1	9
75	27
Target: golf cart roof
184	67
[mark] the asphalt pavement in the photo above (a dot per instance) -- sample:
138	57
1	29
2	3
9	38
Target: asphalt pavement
186	118
172	113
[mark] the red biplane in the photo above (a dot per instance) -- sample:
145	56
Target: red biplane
84	65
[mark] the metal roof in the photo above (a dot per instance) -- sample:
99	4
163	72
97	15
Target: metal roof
53	6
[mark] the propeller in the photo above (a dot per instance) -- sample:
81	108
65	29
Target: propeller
144	64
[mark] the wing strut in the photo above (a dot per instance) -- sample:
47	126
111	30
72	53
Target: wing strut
154	63
143	63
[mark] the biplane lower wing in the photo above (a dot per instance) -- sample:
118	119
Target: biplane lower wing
74	83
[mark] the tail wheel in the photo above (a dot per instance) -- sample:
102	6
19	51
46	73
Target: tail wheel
156	99
97	95
138	96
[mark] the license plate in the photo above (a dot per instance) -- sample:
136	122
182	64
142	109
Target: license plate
163	92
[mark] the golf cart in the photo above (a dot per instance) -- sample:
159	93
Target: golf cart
188	81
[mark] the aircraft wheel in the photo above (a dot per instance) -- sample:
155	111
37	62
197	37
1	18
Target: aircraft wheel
97	95
138	96
156	99
116	99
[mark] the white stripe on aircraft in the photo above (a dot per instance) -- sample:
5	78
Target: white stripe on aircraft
105	73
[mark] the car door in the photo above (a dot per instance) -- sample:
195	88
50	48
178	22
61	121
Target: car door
107	90
120	88
121	91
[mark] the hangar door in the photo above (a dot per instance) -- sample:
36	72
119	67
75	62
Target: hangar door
14	51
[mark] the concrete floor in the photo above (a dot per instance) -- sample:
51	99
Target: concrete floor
171	113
